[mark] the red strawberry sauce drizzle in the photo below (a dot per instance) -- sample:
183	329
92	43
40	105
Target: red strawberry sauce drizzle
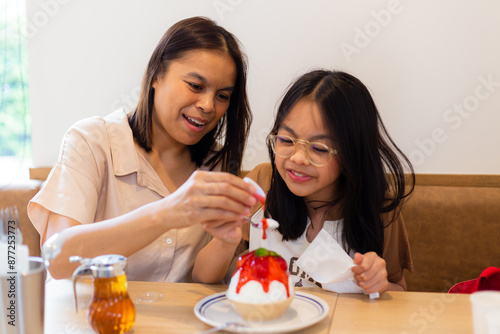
262	201
263	269
264	228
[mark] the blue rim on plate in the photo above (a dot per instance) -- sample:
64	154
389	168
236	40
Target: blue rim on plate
304	311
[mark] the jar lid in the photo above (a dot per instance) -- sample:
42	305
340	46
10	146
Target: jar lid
111	265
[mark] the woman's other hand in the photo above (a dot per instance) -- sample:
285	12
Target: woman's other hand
228	233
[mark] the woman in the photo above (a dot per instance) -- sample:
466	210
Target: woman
146	185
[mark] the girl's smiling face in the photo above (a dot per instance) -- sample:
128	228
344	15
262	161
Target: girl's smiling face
192	96
304	121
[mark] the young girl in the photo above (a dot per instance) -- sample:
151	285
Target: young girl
335	177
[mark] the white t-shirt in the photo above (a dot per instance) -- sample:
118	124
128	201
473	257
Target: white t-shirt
292	250
101	174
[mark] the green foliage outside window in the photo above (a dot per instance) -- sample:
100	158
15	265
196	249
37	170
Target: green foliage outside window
15	120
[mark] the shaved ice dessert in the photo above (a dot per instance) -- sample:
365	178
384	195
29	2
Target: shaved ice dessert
261	288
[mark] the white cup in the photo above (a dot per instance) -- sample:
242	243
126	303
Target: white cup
482	303
493	321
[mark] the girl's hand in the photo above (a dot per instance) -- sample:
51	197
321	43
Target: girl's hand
370	272
208	198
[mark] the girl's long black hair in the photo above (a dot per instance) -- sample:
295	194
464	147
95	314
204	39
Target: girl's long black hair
372	180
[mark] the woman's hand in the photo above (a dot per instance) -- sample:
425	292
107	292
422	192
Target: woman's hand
208	198
370	272
228	233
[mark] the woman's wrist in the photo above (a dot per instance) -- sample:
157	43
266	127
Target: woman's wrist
156	216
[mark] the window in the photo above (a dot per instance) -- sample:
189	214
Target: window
15	119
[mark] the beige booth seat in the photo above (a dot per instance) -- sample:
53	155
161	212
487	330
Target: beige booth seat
19	195
453	223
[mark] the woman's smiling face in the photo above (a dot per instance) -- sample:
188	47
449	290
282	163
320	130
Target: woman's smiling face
191	96
304	121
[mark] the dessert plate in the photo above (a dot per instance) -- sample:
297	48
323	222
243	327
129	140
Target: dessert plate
304	311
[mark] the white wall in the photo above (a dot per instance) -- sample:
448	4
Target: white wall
433	66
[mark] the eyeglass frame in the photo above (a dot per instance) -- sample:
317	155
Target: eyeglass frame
272	141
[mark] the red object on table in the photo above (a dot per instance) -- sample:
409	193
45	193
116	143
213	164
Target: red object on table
488	280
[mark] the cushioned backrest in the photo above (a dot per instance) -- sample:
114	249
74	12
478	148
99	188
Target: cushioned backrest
454	234
19	195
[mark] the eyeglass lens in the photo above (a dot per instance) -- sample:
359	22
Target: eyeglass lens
317	153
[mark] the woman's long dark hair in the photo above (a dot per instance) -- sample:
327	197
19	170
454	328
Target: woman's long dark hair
372	180
199	33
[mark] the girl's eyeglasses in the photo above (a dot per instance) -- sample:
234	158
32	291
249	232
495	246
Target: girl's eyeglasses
317	154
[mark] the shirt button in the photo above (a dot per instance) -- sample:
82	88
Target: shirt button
169	241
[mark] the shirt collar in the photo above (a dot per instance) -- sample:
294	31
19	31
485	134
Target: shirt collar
123	152
125	156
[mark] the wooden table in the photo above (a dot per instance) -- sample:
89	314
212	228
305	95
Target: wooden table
394	312
403	312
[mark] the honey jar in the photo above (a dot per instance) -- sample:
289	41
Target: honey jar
111	310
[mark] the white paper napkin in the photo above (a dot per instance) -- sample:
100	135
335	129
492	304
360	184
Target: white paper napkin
327	262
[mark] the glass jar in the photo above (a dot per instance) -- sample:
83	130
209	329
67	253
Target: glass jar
111	310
